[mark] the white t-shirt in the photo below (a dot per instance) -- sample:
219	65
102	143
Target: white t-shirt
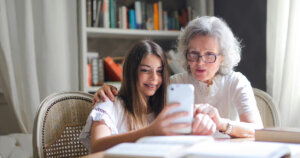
112	113
231	94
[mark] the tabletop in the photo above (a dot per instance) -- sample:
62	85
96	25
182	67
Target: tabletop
101	154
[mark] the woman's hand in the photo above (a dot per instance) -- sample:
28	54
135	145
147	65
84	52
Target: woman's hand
163	125
203	125
105	91
213	113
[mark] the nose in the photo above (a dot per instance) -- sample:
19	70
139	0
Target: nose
200	61
154	75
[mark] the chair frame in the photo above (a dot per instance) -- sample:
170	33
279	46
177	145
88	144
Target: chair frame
39	122
268	99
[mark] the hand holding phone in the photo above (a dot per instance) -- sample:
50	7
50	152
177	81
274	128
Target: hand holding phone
184	95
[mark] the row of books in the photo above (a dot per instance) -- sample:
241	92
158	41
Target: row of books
138	15
100	70
108	69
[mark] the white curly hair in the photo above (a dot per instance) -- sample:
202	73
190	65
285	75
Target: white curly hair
216	27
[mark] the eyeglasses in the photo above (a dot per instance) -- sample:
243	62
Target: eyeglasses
195	56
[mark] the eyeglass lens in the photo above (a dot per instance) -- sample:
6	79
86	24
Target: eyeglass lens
194	57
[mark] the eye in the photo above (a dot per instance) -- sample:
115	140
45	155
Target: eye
210	53
144	70
160	71
193	54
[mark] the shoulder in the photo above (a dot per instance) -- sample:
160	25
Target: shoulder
180	77
109	107
236	79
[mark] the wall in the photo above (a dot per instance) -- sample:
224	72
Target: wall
247	19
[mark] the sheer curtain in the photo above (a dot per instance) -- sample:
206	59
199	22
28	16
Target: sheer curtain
283	58
38	53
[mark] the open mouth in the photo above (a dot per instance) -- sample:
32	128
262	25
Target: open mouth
200	70
151	86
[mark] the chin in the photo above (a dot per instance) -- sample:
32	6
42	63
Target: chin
200	78
149	93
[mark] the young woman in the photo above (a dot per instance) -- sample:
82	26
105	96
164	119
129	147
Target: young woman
139	109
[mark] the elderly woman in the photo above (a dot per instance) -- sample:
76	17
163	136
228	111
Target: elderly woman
210	52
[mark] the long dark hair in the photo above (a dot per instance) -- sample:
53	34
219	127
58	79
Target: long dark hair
135	103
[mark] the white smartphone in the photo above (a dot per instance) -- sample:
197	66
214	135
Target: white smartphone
184	95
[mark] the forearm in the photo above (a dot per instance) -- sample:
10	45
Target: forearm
106	142
244	128
240	129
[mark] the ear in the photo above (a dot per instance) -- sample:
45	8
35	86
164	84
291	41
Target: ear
222	59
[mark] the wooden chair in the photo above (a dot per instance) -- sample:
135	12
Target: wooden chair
58	123
267	109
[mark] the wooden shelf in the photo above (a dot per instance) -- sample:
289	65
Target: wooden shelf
116	41
130	33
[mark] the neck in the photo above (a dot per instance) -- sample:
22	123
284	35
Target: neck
210	81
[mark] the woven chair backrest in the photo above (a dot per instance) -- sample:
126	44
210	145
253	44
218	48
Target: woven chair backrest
267	109
58	124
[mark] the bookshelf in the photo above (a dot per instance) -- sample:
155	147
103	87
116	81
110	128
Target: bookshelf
115	42
127	33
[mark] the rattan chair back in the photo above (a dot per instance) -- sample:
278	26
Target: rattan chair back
267	109
58	123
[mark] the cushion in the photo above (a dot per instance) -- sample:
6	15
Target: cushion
16	145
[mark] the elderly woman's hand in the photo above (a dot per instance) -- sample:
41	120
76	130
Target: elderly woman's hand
203	125
103	92
213	113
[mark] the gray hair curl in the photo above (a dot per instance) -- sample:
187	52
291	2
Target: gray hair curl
216	27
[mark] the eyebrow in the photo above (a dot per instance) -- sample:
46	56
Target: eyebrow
194	50
149	66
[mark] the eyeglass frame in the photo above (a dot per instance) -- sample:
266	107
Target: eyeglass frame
200	56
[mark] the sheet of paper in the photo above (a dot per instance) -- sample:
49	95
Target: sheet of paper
143	150
183	140
237	150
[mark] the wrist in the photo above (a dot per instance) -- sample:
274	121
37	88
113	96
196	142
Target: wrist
148	131
226	127
222	125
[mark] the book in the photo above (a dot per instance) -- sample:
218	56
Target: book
134	150
89	75
287	135
188	146
165	16
185	140
94	13
98	14
132	20
113	71
89	13
164	146
100	71
246	149
95	71
155	16
124	17
106	17
112	17
149	19
138	14
160	15
93	58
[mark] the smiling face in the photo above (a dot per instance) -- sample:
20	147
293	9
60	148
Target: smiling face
150	74
204	45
